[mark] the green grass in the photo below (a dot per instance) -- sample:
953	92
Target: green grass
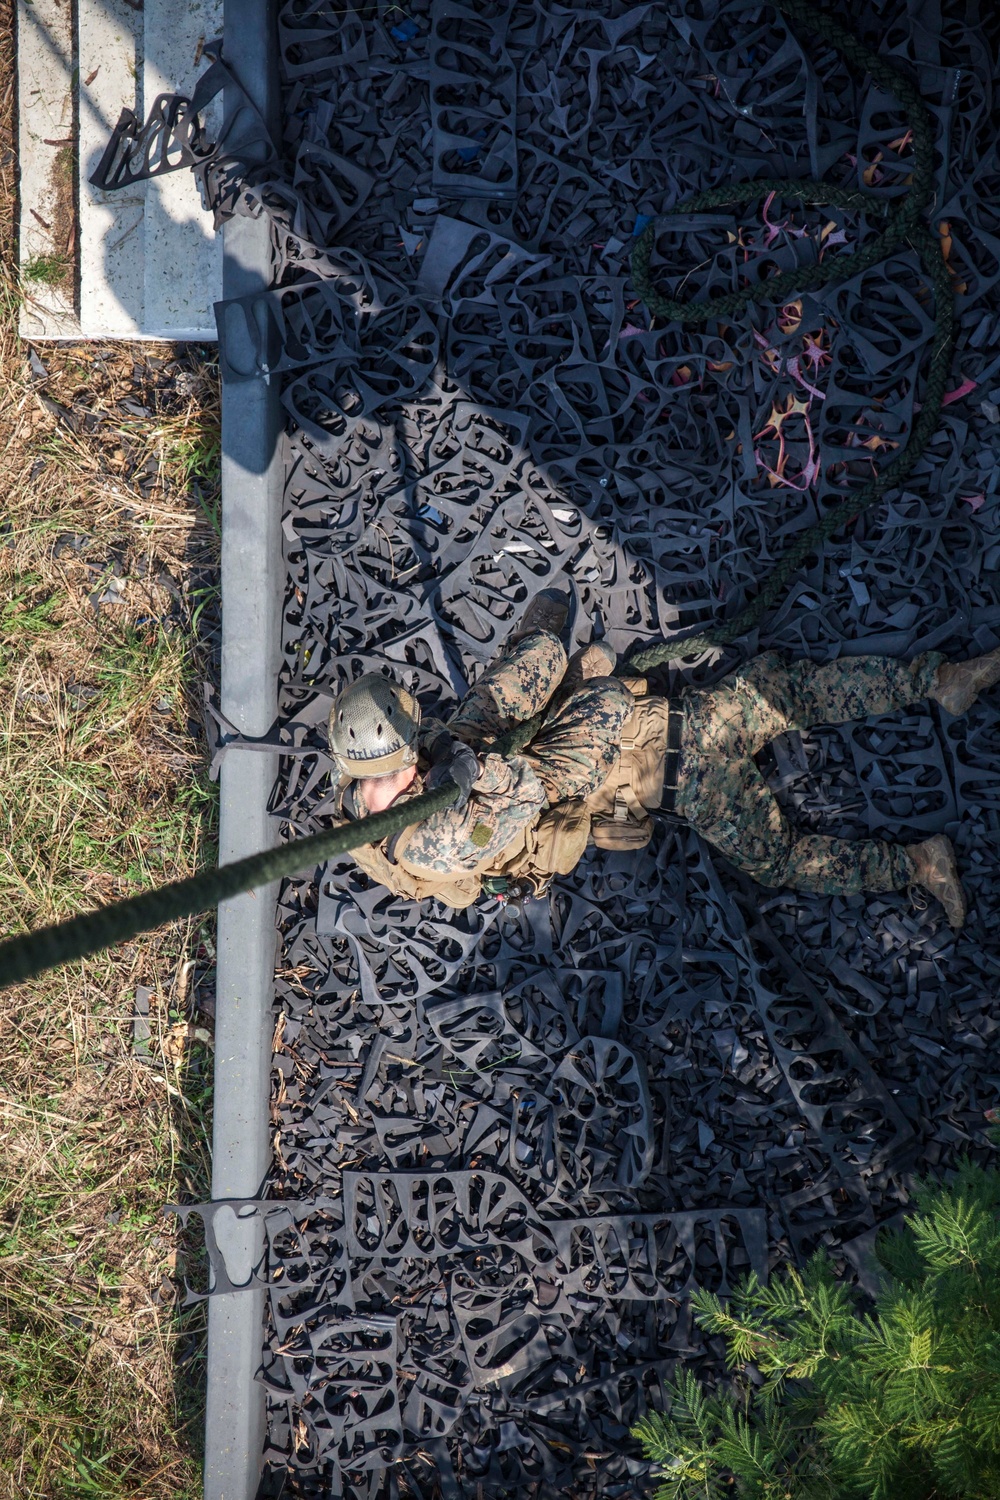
48	1388
46	270
58	451
44	1380
66	813
23	612
197	456
64	1388
65	163
101	1377
192	456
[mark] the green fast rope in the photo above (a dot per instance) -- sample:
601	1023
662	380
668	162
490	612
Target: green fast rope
905	226
33	953
22	957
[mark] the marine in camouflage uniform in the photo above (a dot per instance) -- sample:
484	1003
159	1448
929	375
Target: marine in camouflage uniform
720	792
724	796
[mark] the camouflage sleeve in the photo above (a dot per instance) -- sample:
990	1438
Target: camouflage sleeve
507	797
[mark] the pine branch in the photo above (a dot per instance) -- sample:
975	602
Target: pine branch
902	1403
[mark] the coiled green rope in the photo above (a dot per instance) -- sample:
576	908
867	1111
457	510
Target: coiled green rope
905	226
33	953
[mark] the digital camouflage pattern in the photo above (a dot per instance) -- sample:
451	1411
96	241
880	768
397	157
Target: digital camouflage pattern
724	796
573	754
506	798
721	792
579	743
513	688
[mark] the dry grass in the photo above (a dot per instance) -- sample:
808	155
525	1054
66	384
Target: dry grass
103	792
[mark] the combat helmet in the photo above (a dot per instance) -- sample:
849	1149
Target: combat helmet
373	727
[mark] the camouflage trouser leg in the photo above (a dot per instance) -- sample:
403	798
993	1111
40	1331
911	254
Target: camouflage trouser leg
576	749
579	744
513	688
722	793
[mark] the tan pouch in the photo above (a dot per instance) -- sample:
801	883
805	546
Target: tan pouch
635	783
554	846
629	833
561	836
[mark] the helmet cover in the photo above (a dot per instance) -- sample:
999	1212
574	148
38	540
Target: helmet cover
373	727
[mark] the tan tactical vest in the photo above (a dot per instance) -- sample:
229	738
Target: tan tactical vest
612	817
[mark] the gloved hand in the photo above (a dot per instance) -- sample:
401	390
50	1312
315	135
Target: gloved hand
451	760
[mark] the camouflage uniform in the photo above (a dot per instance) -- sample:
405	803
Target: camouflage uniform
725	797
721	793
571	756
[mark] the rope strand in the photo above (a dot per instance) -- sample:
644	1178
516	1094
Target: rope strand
32	953
22	957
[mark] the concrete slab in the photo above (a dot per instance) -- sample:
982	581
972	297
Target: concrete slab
183	255
141	263
47	137
112	237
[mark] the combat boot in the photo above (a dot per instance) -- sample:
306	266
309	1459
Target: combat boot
548	610
935	868
596	660
957	684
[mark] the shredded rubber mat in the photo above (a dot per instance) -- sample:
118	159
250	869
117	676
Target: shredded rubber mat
508	1141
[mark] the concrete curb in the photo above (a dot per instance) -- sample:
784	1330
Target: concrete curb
252	591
